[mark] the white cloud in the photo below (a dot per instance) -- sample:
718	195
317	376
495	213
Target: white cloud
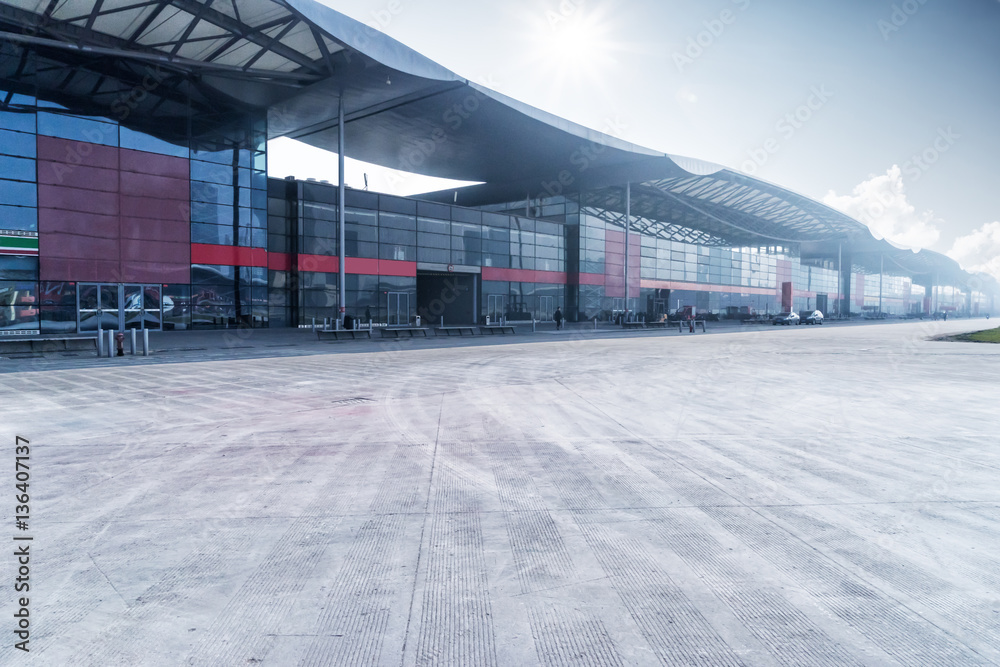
880	202
980	250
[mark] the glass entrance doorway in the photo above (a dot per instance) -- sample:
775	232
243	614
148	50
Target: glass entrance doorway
496	306
118	306
545	308
399	309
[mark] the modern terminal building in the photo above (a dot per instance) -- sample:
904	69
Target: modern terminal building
134	191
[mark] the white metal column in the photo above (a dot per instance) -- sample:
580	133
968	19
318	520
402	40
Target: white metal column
341	212
628	223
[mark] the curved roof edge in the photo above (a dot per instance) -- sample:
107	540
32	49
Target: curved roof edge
370	42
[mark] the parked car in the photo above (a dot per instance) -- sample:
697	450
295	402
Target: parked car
786	318
815	317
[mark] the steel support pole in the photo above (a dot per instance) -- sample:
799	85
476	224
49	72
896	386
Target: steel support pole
840	280
341	213
881	270
628	223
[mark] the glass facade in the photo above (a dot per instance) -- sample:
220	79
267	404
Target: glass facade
265	252
226	206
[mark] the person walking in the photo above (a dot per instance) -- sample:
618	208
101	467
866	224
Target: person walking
558	317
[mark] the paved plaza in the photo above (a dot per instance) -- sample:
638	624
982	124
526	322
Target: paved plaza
783	496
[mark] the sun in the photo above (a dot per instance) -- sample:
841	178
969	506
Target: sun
574	46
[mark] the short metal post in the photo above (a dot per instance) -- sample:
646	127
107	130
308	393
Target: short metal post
131	347
145	342
442	320
314	324
111	342
369	324
100	341
532	325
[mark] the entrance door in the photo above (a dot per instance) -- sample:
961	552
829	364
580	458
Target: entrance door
659	309
545	308
399	309
119	307
496	306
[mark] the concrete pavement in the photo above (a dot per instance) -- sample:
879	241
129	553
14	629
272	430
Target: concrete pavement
786	496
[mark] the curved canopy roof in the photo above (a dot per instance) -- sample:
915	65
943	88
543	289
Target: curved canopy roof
178	68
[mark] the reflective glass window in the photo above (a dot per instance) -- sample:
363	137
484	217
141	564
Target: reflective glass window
473	244
258	199
18	317
18	268
321	228
362	218
360	248
211	213
219	157
397	236
140	141
403	253
18	193
397	221
17	143
211	172
213	234
433	226
57	319
467	258
21	122
437	255
312	245
17	168
212	273
20	218
77	129
360	233
211	193
18	293
433	240
317	211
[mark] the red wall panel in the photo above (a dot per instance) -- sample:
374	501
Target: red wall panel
156	209
82	270
54	221
160	187
395	267
155	230
524	275
155	272
75	246
76	176
227	255
362	265
321	263
77	153
279	261
75	199
85	233
151	163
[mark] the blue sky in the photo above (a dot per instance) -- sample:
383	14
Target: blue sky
885	109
